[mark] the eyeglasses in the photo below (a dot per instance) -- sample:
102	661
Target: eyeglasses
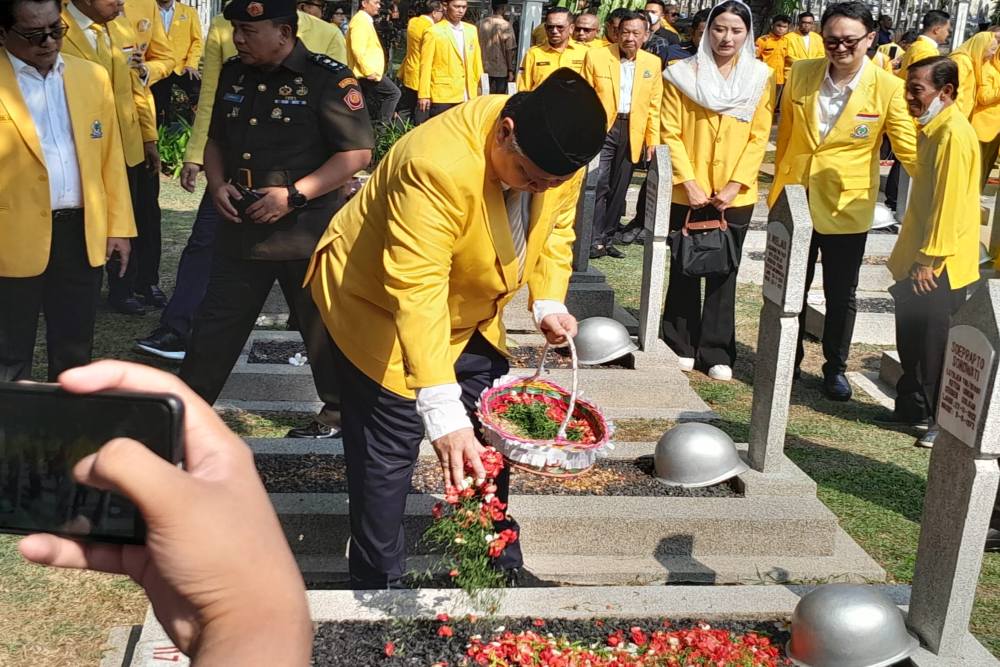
38	37
849	43
582	29
560	28
673	14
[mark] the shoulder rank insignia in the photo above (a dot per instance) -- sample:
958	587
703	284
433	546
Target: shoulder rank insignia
96	131
327	62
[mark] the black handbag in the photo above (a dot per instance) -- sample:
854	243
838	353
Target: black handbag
704	247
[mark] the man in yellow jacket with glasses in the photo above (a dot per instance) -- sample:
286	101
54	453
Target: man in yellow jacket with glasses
833	115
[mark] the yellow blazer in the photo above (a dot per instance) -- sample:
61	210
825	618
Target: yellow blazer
124	83
714	149
25	213
941	226
920	49
840	172
445	76
318	36
967	84
797	49
986	116
540	61
774	52
364	50
602	68
185	37
409	70
538	36
883	56
419	260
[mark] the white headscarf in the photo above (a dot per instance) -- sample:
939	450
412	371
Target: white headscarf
699	78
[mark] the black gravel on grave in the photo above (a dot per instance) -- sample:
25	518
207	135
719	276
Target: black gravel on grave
525	356
362	644
317	473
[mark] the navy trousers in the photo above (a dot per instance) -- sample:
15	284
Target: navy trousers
382	434
192	271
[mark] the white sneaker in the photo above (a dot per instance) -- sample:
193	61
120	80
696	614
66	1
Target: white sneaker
686	363
927	439
721	373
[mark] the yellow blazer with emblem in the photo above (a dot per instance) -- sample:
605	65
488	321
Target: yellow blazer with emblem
840	172
924	47
25	213
985	117
364	50
445	76
318	36
185	37
540	61
712	148
602	68
797	49
124	83
423	255
409	70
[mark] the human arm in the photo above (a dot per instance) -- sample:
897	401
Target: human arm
218	609
197	44
966	93
194	155
672	113
651	136
523	72
988	90
902	131
158	57
121	220
510	52
955	162
477	64
751	154
223	194
427	47
337	47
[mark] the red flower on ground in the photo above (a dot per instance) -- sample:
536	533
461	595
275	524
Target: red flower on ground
445	631
442	617
538	622
390	649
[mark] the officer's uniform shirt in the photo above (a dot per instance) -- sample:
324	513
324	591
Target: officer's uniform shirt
273	128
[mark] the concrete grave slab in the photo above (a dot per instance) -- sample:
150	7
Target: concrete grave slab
869	328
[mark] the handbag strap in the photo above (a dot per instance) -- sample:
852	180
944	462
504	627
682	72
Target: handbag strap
704	225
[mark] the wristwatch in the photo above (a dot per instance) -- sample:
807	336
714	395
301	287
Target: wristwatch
295	198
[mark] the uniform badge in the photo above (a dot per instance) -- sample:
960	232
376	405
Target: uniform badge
276	113
143	25
861	132
96	131
236	88
297	80
232	97
255	9
302	91
285	90
349	81
233	113
647	74
353	100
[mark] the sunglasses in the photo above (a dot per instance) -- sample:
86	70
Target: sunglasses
582	29
560	28
39	37
832	43
673	14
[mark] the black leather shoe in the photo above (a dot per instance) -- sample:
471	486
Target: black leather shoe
614	252
154	297
129	306
513	577
598	251
164	343
993	540
314	430
837	388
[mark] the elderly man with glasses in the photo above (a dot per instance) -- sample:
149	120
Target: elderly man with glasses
559	51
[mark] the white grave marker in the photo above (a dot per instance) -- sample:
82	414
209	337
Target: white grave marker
776	258
964	382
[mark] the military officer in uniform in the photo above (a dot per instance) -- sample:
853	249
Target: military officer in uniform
288	128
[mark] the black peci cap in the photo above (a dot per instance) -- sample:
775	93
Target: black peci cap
561	125
258	10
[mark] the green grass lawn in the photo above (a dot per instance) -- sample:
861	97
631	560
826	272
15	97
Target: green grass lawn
869	475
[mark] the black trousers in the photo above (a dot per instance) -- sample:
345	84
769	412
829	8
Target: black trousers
892	185
163	95
498	85
143	269
704	330
438	108
382	434
237	289
612	182
66	292
843	255
407	107
988	156
922	325
382	96
192	270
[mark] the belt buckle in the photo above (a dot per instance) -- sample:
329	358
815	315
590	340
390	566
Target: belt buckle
245	177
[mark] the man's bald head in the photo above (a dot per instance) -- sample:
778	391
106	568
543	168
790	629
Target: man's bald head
585	28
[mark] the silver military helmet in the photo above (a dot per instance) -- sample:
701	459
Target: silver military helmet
883	217
694	454
602	339
845	625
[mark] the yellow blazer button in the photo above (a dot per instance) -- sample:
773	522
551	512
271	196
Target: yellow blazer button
246	156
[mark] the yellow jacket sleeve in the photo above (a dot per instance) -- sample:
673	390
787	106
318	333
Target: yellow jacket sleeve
337	48
652	135
121	221
159	57
427	48
550	278
748	165
901	128
941	240
784	125
523	76
209	84
194	51
422	225
670	126
144	109
966	100
477	66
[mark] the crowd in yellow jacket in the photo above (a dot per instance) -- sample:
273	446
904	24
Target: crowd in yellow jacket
317	36
541	61
185	37
25	213
447	76
602	69
970	57
364	50
841	171
885	55
423	255
924	47
774	52
799	48
715	149
941	225
409	70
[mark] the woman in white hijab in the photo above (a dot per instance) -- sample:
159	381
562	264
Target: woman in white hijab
716	119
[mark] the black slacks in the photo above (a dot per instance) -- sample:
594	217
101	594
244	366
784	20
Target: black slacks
438	108
237	289
498	85
922	325
192	270
704	330
382	434
407	107
843	255
143	269
382	96
612	182
66	292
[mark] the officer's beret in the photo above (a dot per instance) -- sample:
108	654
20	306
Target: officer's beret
258	10
560	125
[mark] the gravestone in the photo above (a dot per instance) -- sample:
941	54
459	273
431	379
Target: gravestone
659	187
962	479
789	231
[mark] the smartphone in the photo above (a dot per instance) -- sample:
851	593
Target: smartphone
45	431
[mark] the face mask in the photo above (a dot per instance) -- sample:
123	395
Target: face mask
933	109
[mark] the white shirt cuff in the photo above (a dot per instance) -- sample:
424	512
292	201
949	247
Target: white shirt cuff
442	410
545	307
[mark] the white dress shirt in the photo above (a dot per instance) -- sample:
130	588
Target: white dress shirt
85	22
45	97
458	34
832	100
625	87
805	39
167	15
